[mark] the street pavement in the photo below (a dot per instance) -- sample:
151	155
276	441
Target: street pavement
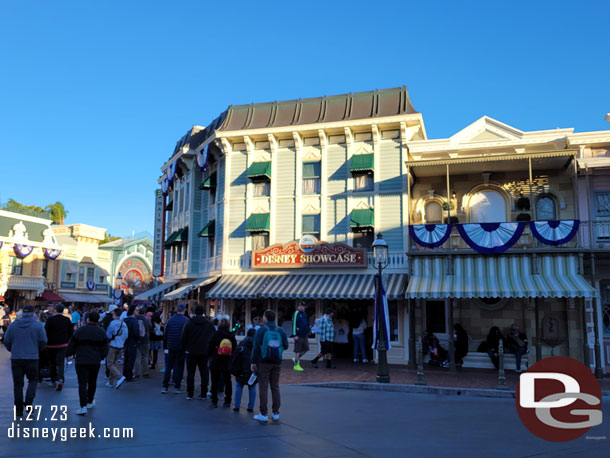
315	422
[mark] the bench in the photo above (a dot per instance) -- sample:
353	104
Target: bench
482	360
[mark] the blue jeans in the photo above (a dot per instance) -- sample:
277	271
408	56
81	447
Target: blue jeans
174	359
519	352
359	345
251	395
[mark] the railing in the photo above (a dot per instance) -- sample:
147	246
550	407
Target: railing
26	282
210	264
595	234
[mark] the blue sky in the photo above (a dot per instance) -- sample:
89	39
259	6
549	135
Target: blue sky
94	95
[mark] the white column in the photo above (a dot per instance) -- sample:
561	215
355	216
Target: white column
376	199
349	142
324	180
298	144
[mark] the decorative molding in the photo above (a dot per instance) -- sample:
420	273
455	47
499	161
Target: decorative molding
225	145
298	141
249	144
376	134
349	137
323	139
272	143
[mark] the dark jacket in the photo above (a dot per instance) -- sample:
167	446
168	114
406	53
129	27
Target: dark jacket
89	344
493	342
196	335
256	356
24	338
133	328
240	365
215	340
511	341
146	322
59	330
172	337
300	324
107	320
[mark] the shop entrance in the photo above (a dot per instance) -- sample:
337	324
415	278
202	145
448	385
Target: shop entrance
348	315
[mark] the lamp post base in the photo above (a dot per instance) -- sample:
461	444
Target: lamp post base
383	371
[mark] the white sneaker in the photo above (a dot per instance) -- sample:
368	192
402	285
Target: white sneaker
209	394
119	382
276	417
82	411
355	360
91	405
365	360
260	417
109	385
188	398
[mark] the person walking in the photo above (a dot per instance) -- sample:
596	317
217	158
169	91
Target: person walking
240	368
358	337
196	336
327	337
117	333
59	331
25	338
89	345
300	332
75	318
222	345
143	344
156	338
266	360
108	317
174	353
131	344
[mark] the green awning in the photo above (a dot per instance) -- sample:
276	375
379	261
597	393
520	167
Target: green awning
179	236
170	205
362	218
259	169
209	182
311	170
258	222
362	163
208	230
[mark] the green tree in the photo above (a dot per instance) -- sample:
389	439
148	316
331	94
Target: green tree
13	204
58	212
109	238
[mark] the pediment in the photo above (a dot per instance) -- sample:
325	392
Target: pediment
486	130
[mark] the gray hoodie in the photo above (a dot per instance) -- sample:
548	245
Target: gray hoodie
24	338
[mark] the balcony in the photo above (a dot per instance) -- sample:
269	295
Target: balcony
23	282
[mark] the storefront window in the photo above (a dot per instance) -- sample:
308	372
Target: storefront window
435	317
393	312
285	312
257	309
238	320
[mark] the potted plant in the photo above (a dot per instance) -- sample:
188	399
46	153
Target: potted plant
524	217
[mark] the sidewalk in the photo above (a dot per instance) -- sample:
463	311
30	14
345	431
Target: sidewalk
348	371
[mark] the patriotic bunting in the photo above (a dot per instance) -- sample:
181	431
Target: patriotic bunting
171	171
202	158
430	235
554	232
165	186
491	238
90	285
23	251
50	253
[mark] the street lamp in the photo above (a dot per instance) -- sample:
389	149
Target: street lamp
380	254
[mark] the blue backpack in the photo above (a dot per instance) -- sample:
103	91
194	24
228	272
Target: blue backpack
272	348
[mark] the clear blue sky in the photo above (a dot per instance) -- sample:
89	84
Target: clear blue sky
94	95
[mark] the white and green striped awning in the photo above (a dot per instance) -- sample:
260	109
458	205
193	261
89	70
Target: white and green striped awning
157	292
183	291
332	286
239	287
498	276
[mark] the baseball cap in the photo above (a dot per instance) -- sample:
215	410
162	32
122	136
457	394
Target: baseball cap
28	309
181	308
112	307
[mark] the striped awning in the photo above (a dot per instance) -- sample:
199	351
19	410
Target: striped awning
332	286
184	290
498	276
86	298
239	287
159	289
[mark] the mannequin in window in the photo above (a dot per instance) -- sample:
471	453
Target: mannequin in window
487	206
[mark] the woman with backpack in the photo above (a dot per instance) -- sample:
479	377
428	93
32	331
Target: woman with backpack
156	338
222	345
240	368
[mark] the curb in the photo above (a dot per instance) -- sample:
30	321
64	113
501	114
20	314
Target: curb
439	390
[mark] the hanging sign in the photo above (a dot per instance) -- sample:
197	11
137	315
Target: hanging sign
90	285
308	252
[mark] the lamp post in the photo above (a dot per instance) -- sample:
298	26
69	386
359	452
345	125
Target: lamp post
380	253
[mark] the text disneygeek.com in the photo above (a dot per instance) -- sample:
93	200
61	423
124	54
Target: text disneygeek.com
19	431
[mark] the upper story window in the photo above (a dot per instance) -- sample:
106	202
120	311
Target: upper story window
311	225
81	274
311	177
362	167
602	203
45	267
90	274
364	239
260	240
433	212
546	208
16	265
262	188
363	181
487	206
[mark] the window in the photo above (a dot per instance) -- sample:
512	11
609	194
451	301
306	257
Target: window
212	196
435	317
311	225
433	213
178	253
68	276
260	240
393	315
261	188
102	279
311	177
210	247
487	206
363	239
90	274
186	198
363	182
45	268
285	312
239	317
545	208
81	274
182	192
16	265
602	203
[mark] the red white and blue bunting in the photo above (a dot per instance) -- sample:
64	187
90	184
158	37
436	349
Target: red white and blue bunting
90	285
554	232
23	251
51	253
165	186
202	158
171	171
491	238
430	235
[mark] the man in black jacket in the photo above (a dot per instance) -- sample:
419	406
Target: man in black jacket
59	330
89	345
196	336
131	344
